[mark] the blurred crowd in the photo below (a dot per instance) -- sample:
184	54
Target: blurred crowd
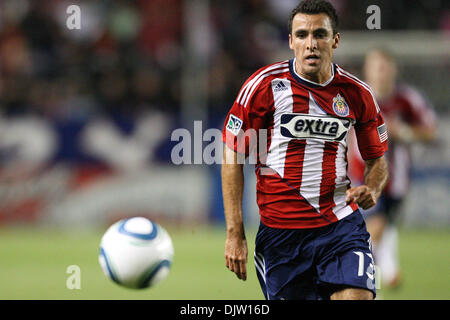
128	55
110	94
123	59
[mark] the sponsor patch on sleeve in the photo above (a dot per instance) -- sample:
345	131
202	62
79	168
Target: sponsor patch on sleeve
382	132
234	124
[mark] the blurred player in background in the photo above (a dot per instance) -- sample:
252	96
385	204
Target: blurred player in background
409	119
312	241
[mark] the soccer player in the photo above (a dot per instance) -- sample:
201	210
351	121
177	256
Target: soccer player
409	119
312	241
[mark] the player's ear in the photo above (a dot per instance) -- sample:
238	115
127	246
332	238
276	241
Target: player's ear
290	42
336	39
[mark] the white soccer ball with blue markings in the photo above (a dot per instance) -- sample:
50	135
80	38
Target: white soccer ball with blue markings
136	253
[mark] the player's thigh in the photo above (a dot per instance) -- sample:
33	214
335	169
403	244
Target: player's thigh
354	268
345	257
284	264
352	294
300	287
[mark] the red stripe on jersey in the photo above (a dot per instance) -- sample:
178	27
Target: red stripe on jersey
328	183
263	149
283	206
293	167
362	84
354	206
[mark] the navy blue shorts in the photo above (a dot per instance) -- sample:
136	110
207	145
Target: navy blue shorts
297	264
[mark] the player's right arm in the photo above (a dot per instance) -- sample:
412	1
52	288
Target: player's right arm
236	250
248	114
375	179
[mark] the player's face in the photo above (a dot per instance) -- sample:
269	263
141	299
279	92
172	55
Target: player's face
313	42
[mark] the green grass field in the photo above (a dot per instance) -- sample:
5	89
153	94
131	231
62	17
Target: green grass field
33	265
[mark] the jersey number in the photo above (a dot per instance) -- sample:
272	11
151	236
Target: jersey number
370	269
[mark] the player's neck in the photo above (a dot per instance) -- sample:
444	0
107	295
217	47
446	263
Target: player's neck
324	74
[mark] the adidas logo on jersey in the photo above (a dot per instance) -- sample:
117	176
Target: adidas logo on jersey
280	86
305	126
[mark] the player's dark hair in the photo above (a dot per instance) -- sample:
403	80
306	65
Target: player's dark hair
316	7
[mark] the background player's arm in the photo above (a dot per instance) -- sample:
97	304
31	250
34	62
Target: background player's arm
401	131
375	179
415	121
236	250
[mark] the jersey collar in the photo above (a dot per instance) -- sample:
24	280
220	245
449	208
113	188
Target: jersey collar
307	82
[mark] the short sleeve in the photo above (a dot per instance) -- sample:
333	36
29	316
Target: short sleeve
370	129
244	120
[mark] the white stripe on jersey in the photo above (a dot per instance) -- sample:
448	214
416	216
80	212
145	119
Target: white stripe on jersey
283	103
312	162
341	181
341	214
363	84
244	92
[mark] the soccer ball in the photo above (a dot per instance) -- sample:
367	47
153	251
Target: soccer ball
136	253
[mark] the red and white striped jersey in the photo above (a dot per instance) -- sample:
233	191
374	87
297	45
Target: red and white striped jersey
408	106
301	129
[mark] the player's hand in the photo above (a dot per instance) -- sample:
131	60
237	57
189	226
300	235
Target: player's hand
364	196
236	256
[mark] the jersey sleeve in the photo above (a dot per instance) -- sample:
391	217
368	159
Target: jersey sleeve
246	117
370	129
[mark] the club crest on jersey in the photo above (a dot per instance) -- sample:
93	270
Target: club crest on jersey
234	124
340	107
306	126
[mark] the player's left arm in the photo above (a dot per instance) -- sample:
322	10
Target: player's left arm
371	133
375	179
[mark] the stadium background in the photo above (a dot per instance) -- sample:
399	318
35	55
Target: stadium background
86	118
